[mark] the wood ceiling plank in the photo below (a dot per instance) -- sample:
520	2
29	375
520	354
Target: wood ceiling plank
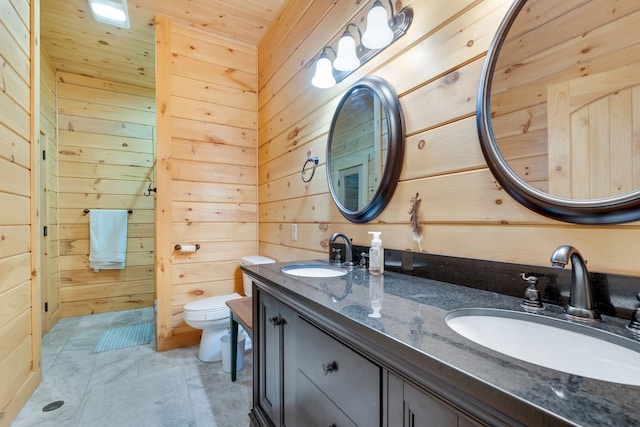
76	44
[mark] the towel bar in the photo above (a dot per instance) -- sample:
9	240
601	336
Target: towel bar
130	211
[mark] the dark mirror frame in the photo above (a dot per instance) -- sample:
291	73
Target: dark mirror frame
612	210
395	154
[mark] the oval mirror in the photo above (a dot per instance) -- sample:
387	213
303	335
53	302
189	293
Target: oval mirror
558	108
365	149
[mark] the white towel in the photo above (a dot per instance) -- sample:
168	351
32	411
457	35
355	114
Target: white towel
108	239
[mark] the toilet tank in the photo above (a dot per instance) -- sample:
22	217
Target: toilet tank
252	260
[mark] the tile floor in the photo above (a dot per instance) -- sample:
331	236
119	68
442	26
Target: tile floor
134	386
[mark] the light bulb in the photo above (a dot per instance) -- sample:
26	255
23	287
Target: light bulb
378	34
347	59
324	73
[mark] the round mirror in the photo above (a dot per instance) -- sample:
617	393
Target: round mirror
365	149
558	109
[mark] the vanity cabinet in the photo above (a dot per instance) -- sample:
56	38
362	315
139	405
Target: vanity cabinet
408	367
304	376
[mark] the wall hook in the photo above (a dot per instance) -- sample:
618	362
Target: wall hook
149	190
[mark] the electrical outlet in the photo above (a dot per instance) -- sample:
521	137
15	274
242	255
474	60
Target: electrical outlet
294	231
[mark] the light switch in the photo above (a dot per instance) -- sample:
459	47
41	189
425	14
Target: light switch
294	231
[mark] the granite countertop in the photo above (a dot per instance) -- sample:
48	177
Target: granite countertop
412	339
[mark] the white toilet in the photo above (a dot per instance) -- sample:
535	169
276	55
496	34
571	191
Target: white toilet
212	315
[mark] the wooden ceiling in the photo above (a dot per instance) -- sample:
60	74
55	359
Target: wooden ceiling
77	44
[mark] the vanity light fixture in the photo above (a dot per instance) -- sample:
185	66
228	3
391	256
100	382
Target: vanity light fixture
112	12
347	59
323	77
379	34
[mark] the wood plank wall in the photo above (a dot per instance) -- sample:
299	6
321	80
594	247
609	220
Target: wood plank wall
20	369
435	69
207	120
106	161
49	131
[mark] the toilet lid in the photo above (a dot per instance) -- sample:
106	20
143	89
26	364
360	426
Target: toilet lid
257	260
212	308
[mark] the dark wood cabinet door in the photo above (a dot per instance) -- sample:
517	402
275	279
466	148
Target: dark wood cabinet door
276	360
410	407
269	358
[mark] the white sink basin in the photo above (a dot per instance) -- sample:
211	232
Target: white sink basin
313	270
552	343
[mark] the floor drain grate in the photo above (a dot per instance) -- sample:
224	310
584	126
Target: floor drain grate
53	406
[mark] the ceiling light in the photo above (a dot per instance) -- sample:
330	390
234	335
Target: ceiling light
112	12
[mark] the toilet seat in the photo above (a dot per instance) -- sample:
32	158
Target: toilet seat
212	308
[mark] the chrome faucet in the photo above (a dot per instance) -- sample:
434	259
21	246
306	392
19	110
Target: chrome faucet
581	302
347	243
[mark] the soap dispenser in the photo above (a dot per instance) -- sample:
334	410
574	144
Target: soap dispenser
376	255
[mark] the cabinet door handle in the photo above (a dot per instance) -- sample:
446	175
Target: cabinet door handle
327	368
276	321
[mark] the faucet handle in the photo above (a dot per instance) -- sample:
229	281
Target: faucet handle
338	258
364	258
531	280
532	299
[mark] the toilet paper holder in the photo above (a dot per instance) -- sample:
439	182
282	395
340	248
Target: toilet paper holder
179	247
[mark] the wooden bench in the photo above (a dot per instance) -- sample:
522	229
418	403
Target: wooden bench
241	313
